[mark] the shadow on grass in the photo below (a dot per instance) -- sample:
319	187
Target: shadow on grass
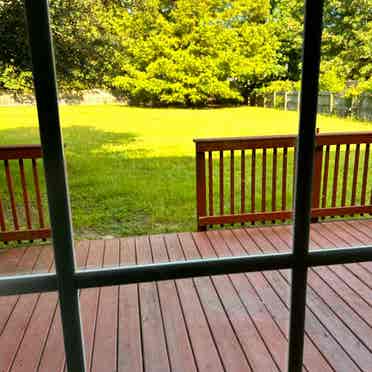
117	188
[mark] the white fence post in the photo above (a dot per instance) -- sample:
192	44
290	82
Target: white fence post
285	101
331	103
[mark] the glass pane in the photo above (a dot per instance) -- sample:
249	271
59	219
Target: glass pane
24	221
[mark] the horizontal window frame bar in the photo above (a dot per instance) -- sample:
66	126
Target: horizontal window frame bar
103	277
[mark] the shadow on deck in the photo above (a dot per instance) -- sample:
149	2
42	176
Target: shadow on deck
228	323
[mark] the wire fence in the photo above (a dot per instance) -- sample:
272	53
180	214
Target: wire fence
337	104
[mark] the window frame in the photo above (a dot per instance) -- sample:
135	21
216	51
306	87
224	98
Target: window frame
68	280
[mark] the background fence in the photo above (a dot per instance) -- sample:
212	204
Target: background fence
328	103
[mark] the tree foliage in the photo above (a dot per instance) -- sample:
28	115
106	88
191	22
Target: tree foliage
188	52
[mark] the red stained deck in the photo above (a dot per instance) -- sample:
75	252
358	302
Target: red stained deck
227	323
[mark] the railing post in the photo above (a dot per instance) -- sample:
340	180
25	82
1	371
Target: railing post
317	177
201	192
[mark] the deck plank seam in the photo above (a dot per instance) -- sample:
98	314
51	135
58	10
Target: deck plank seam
118	313
357	264
365	265
344	282
315	271
91	357
181	307
139	308
287	305
33	267
349	269
273	318
363	230
244	305
161	311
329	329
54	318
211	278
263	304
205	315
17	296
320	297
51	265
192	282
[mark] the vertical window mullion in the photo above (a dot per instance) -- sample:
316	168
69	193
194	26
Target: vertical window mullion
55	174
304	173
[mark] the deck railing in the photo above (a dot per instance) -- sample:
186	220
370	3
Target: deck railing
21	196
251	179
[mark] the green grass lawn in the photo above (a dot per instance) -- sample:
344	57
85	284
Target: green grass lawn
132	170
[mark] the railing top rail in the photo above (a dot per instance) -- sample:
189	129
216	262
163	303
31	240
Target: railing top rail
20	152
272	141
344	138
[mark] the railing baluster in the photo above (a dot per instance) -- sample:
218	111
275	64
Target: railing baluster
273	185
232	182
38	193
325	178
18	224
330	191
293	173
26	200
355	175
284	179
346	171
253	181
210	182
222	201
365	175
335	176
2	216
317	178
263	191
242	185
9	180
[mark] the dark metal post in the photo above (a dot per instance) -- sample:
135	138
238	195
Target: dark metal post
55	173
304	174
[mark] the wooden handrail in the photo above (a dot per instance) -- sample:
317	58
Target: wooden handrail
21	152
341	185
16	209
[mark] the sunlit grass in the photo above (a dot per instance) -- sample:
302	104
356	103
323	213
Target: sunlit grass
132	170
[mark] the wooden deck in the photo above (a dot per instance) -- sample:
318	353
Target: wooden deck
227	323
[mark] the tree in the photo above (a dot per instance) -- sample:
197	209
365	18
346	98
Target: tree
195	52
81	38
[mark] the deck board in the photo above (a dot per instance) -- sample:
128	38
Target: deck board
205	351
235	322
129	327
179	347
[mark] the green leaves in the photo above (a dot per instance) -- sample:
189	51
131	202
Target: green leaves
199	53
188	52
